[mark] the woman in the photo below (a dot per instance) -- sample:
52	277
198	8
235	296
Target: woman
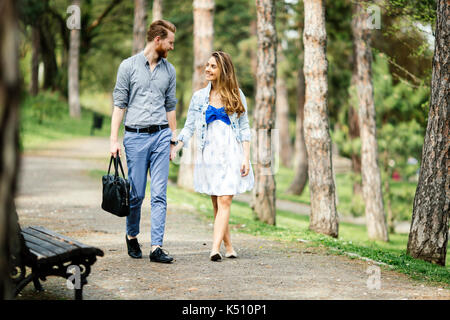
218	114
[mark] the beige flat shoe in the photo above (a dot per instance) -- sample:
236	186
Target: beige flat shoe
231	255
215	256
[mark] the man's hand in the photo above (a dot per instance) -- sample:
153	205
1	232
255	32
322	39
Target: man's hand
116	119
114	148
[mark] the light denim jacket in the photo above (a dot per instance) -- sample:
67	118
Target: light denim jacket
196	119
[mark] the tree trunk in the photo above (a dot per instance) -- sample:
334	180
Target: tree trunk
74	54
428	236
35	48
203	47
253	55
157	10
9	138
323	217
282	115
353	129
203	40
139	26
301	155
48	55
263	195
371	178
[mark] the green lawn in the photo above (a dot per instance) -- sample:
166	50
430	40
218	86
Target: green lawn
402	194
291	227
352	238
45	118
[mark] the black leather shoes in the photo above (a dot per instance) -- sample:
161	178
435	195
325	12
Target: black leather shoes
134	249
158	255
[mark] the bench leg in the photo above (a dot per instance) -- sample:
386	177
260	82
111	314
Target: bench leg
37	284
79	293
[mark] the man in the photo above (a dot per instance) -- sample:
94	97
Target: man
145	94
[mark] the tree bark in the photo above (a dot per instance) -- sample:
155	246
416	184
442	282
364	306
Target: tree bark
253	54
323	217
263	195
74	54
35	48
139	26
9	138
203	47
371	177
48	55
157	10
428	236
353	130
301	156
282	115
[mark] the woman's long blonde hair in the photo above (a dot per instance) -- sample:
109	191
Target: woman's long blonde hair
227	84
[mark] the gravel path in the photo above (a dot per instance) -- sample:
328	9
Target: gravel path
57	192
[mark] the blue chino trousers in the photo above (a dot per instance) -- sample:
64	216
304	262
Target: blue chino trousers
148	152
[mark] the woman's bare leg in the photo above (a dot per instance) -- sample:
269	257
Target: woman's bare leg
227	236
221	221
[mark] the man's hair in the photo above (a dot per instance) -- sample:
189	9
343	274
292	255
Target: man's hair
160	28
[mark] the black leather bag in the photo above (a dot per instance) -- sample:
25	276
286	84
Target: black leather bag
116	191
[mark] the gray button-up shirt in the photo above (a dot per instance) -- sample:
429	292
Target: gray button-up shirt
146	95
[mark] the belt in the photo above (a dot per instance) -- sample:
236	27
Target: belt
150	129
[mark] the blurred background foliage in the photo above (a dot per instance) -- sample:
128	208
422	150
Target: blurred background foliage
402	50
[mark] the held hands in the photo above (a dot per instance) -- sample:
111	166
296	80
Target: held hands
174	150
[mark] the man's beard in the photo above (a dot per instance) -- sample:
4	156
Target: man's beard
161	52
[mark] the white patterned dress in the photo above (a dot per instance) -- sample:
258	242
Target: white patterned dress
217	167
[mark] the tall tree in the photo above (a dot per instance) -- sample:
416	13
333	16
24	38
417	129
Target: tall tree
263	194
353	125
139	26
371	177
203	47
323	217
9	137
35	48
282	112
300	156
428	236
157	10
74	65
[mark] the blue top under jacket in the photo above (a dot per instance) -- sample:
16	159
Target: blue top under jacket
213	113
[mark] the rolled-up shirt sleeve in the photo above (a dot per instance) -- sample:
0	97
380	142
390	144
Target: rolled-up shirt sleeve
122	88
171	100
244	126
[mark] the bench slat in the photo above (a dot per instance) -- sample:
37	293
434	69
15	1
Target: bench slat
41	253
52	249
60	236
54	241
48	250
85	249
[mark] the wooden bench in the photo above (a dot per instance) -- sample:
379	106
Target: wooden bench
48	253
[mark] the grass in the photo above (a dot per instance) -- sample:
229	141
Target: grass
45	118
291	227
352	238
402	195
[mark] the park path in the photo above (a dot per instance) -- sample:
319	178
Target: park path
56	191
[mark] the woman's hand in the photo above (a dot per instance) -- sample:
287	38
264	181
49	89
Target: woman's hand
245	167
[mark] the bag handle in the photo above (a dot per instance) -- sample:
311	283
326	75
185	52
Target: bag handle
116	169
